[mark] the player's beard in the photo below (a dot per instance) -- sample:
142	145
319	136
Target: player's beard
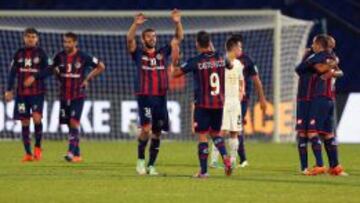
150	45
69	49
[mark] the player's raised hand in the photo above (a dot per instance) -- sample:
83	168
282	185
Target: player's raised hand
29	81
139	19
9	96
176	16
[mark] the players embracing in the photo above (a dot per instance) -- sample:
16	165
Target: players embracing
315	106
151	85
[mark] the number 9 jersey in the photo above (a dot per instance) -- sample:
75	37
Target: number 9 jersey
209	74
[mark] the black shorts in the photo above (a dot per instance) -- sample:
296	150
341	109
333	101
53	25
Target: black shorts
153	111
26	105
71	110
207	120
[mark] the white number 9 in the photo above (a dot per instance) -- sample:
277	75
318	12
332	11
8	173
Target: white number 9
214	84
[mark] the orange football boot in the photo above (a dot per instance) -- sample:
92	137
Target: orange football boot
37	154
27	158
337	171
76	159
317	170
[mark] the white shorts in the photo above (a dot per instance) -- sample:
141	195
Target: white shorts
232	119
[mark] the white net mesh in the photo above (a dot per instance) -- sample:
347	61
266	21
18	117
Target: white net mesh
111	111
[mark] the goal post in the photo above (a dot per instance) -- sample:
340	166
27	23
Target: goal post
273	40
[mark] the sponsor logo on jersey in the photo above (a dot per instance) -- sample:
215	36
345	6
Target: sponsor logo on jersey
36	60
77	65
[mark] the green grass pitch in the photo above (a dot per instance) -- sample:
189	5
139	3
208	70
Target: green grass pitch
108	175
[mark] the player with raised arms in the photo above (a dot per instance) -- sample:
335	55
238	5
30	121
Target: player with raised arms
151	85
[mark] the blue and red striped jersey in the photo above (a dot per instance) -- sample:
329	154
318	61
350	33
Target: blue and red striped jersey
324	87
250	70
72	70
25	63
209	76
151	78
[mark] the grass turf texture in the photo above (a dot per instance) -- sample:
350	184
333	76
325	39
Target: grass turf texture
108	175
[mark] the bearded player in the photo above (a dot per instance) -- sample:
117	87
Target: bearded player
151	85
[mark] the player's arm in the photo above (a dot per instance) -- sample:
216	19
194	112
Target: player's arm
260	92
242	88
11	81
131	35
175	69
338	73
192	118
241	83
325	66
258	85
179	30
98	68
44	72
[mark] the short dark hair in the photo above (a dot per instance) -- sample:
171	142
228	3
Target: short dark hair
239	37
323	40
231	42
203	39
71	35
146	31
30	30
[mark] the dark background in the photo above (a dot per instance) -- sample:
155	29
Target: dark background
340	18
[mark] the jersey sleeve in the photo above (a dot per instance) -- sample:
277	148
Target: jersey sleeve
241	68
12	73
301	68
91	61
45	67
251	67
188	66
136	53
318	58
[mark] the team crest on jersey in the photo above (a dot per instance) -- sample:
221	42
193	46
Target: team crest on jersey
312	122
21	108
299	121
77	65
256	68
50	61
20	60
36	60
159	56
28	62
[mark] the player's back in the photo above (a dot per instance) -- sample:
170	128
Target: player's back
305	74
322	86
249	70
209	74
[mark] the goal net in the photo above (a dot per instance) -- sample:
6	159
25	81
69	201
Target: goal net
274	41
